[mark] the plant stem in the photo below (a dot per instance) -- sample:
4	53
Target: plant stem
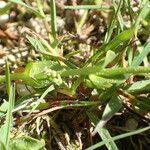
83	71
105	72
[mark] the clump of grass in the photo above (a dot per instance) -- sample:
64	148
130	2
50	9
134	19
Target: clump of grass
109	78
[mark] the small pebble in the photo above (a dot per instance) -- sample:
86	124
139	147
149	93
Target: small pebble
131	124
5	17
12	58
2	61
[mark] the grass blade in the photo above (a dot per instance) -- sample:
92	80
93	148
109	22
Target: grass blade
53	19
6	8
122	37
105	72
111	108
139	87
36	12
113	21
104	133
8	80
49	89
143	13
115	42
5	129
88	7
118	137
11	94
138	60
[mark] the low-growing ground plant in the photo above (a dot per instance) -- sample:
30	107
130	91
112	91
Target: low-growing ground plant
74	97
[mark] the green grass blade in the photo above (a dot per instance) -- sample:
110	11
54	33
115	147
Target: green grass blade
139	87
143	13
109	72
140	49
113	21
53	19
138	60
122	71
72	54
40	7
111	108
122	37
42	45
118	137
49	89
6	8
8	80
88	7
110	55
57	41
36	44
131	12
47	107
104	133
79	24
36	12
5	129
115	42
11	94
76	84
9	115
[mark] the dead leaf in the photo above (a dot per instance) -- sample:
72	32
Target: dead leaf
7	35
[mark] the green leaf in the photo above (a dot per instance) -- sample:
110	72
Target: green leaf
115	42
111	108
139	87
104	133
44	72
26	143
103	83
41	69
138	60
43	46
100	82
36	44
2	146
147	18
